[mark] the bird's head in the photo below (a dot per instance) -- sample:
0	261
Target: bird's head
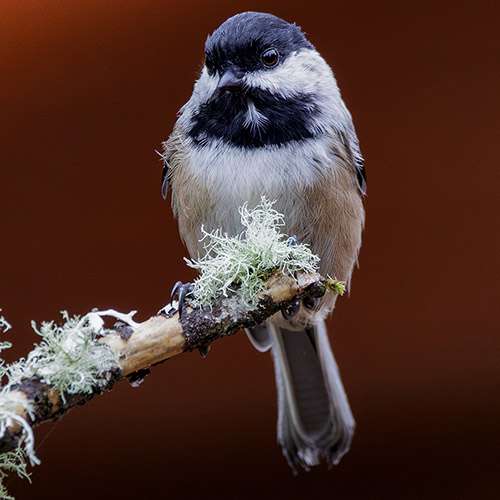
263	84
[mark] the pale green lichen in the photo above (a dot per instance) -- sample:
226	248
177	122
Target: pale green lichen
69	359
242	263
27	439
12	461
16	460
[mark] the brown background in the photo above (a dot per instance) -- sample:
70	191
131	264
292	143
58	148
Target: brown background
89	89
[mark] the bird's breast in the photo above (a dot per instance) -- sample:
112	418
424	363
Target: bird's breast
216	179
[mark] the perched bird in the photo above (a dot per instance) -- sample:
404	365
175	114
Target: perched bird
266	119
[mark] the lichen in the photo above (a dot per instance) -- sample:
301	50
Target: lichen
16	460
12	461
69	359
242	263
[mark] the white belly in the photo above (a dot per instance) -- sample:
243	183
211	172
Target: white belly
233	176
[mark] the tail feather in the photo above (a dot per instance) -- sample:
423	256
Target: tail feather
343	419
314	422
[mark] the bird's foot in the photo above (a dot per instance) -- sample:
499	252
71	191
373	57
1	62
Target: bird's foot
311	303
182	291
290	310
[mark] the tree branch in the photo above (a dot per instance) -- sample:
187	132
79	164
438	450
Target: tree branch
160	338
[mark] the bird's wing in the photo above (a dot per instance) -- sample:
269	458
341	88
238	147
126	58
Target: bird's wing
164	179
351	152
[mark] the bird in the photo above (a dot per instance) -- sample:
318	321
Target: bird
266	118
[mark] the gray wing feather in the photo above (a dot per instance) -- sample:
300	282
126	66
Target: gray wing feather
164	179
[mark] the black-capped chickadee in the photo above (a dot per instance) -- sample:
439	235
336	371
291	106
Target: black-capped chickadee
266	119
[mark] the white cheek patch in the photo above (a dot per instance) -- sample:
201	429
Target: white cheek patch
304	72
205	86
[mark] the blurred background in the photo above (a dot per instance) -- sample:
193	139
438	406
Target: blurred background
89	90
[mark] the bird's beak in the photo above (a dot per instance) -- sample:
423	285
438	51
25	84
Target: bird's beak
229	79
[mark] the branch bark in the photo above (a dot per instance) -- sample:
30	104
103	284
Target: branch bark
161	338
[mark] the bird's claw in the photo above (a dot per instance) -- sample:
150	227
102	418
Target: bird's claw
182	291
311	303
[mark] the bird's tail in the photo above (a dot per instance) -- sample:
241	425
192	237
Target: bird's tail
315	422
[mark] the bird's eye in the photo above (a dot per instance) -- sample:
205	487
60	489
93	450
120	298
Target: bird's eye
270	57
